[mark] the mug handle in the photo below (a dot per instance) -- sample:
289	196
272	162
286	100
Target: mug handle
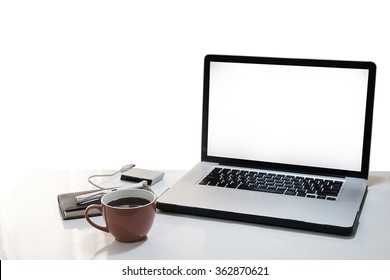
99	207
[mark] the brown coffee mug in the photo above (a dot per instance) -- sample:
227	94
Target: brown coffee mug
128	214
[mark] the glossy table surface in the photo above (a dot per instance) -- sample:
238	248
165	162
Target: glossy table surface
31	228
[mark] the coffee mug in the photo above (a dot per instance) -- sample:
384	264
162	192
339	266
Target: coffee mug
128	214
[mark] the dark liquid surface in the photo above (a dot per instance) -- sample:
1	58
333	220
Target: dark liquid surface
128	202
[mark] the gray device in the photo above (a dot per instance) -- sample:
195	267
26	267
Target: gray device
138	175
304	123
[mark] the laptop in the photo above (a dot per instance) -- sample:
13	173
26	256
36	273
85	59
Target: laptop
285	142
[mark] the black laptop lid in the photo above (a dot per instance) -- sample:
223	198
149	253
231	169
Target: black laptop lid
301	115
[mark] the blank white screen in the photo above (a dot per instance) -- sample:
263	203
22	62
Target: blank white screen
301	115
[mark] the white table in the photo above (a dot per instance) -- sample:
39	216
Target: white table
31	228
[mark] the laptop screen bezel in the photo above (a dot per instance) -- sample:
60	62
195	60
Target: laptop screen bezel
370	66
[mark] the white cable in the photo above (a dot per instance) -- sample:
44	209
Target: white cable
84	198
123	169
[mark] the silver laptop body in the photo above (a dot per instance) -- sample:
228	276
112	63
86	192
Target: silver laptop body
305	119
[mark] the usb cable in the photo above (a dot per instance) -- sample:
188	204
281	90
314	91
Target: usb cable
123	169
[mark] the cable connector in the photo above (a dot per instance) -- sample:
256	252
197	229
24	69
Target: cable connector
122	170
126	167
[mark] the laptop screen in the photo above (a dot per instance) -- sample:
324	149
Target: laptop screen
296	114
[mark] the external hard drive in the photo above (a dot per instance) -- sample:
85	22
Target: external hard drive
137	175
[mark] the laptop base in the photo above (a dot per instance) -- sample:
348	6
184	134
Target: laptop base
294	224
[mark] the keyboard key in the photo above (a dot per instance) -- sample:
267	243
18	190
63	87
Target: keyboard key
290	192
267	190
301	193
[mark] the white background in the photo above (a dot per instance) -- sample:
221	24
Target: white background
99	84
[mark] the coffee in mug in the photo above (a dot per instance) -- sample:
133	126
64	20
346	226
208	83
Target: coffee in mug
128	214
128	202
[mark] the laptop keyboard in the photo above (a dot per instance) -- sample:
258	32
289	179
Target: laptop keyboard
273	183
